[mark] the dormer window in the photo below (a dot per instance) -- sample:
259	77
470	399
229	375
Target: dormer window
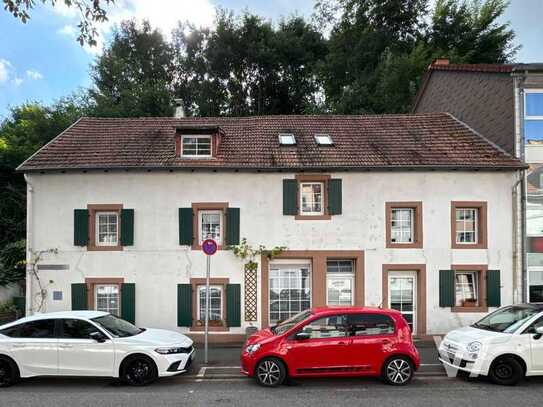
323	139
287	139
196	146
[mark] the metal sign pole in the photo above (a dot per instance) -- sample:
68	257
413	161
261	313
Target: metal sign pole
208	272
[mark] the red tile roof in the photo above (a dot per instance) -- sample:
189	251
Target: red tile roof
410	141
492	68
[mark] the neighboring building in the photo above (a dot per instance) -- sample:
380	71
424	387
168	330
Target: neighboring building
413	212
505	104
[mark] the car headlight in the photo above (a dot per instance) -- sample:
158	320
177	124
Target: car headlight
169	351
474	347
252	348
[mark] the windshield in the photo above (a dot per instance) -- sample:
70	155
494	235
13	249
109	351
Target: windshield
289	323
508	319
117	327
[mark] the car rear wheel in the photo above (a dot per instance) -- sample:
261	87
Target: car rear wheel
9	374
270	372
398	371
506	371
139	371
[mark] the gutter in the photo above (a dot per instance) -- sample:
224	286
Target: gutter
29	244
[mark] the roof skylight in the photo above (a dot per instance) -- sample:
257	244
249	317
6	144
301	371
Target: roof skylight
323	139
287	139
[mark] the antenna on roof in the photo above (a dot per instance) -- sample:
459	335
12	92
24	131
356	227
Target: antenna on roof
179	108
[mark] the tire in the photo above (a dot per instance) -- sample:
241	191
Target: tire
506	371
9	373
270	372
138	370
398	371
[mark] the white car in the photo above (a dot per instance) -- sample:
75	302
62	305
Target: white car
90	343
506	345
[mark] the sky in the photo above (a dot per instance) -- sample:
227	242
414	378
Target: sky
41	61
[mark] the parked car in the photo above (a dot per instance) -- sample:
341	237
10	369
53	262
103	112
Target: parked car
350	341
90	343
506	345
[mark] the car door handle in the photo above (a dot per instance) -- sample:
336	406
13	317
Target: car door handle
342	343
65	346
386	341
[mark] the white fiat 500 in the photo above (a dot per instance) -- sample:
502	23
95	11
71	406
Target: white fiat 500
506	345
90	343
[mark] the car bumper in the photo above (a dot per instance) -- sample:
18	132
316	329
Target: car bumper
248	362
460	361
174	364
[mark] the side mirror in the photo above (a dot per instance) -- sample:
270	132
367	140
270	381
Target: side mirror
538	332
302	336
98	336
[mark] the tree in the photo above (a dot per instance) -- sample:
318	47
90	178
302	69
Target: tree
133	76
91	12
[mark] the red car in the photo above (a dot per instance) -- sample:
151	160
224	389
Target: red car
342	342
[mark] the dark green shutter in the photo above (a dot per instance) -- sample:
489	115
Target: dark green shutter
232	226
233	305
493	289
79	297
184	305
128	302
127	227
81	227
446	288
334	197
290	197
185	226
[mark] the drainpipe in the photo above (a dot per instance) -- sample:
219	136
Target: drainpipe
29	244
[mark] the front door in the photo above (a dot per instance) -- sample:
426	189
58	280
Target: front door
325	352
536	347
402	289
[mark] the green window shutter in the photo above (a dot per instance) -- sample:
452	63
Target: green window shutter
232	226
233	305
290	197
79	297
81	227
184	305
128	302
334	197
446	288
185	226
127	227
493	289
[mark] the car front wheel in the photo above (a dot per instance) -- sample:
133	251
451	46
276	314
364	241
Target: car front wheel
8	373
506	371
139	371
270	372
398	371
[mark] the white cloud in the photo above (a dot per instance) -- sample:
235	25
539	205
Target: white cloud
17	81
68	30
5	68
33	74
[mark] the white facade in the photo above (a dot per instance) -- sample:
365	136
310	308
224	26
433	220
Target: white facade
156	262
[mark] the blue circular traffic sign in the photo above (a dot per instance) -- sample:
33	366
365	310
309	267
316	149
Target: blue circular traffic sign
209	247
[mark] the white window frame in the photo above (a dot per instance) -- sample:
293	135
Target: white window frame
201	316
289	264
287	139
108	309
526	93
402	229
475	275
475	229
201	212
97	229
197	136
323	139
311	213
339	276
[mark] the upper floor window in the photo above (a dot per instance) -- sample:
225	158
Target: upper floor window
210	222
107	229
196	146
468	225
323	139
403	224
287	139
533	114
311	198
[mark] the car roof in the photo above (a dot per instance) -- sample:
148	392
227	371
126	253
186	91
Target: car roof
57	315
352	310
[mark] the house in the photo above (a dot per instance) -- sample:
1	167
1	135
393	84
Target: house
413	212
504	102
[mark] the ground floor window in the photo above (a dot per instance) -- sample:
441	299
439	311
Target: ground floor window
290	291
215	302
339	282
535	285
107	298
466	288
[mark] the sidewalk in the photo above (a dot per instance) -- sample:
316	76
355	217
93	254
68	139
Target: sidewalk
224	362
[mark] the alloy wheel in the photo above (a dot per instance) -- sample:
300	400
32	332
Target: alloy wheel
504	371
139	372
6	373
269	372
398	371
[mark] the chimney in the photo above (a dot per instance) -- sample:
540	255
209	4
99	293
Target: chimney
179	109
441	61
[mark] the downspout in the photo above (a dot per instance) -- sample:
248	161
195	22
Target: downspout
29	244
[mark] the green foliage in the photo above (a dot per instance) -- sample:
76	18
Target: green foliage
12	263
248	254
7	307
133	77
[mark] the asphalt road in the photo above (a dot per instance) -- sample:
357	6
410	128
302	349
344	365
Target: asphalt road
180	392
